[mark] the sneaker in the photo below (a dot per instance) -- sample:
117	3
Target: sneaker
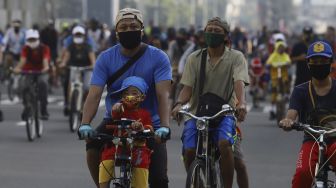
25	114
44	115
1	116
272	115
66	111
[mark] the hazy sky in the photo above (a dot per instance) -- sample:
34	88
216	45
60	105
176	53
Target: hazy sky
297	1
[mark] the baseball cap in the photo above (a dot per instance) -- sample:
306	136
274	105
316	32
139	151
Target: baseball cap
307	30
78	29
319	48
129	13
32	33
219	22
134	81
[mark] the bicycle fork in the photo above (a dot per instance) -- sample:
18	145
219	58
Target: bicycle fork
321	173
205	154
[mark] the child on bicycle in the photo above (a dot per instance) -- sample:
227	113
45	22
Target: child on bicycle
313	102
132	93
278	59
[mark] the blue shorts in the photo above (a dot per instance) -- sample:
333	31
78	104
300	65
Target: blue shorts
226	130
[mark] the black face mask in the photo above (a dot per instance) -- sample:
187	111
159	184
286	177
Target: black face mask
16	29
180	41
320	72
130	39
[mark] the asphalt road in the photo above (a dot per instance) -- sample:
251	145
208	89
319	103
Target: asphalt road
57	160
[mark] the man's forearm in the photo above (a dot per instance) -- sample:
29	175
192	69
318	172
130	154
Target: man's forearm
184	95
162	90
90	107
239	89
163	103
291	114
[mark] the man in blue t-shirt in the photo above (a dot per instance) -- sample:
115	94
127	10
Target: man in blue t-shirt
154	67
316	96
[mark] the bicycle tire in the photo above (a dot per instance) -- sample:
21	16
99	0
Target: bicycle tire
31	128
280	110
39	125
218	177
10	89
194	175
74	114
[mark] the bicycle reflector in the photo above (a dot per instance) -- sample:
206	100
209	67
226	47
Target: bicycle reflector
200	124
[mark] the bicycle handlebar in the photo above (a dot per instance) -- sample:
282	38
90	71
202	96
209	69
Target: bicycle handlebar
225	109
302	126
139	135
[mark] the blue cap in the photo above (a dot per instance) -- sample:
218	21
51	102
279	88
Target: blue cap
319	48
133	81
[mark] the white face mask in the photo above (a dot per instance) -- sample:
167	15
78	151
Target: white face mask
78	40
34	44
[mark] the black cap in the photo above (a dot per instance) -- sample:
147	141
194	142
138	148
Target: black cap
307	30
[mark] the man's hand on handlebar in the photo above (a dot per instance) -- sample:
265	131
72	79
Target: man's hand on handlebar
16	70
137	126
162	134
175	113
241	112
286	124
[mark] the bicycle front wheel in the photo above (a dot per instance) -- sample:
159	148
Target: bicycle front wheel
10	89
196	177
280	110
74	113
31	128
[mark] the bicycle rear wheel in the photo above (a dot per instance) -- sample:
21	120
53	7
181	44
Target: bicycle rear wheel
196	174
74	113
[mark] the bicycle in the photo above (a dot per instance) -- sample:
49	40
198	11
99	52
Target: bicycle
9	78
76	96
322	168
204	171
280	97
34	124
124	158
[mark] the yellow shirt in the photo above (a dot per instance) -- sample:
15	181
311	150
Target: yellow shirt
276	59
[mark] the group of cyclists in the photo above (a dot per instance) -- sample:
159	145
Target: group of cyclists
150	83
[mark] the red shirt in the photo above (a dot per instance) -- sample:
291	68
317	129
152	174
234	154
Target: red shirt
35	57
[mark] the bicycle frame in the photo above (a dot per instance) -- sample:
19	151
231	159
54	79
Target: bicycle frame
205	148
321	169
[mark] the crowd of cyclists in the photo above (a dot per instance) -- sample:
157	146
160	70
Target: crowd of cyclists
258	59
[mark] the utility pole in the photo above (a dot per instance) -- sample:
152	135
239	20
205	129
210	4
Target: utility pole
115	6
84	10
